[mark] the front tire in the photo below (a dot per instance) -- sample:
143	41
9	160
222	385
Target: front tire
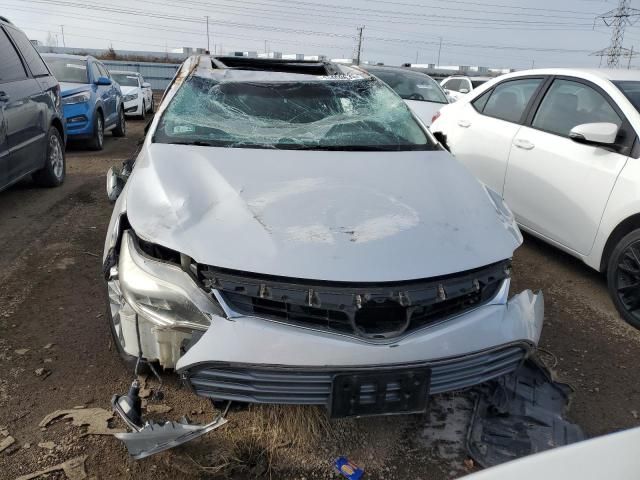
97	140
54	170
143	115
121	127
113	317
623	277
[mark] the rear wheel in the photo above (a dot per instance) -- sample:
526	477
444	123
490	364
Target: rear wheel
97	140
53	172
121	126
623	277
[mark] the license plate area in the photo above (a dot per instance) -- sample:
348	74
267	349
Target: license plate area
380	393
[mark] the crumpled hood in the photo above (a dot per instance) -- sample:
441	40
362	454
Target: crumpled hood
341	216
128	90
68	88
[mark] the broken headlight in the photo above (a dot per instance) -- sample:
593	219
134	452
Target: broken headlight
506	215
161	292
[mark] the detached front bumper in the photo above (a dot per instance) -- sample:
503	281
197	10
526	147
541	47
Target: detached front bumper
253	359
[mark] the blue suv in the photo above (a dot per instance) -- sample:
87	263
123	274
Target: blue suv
92	101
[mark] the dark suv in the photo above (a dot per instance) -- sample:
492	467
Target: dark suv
32	129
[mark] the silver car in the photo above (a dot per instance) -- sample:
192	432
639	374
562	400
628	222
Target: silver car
289	233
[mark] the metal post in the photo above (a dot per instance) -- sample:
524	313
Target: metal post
208	40
64	44
439	51
630	57
360	29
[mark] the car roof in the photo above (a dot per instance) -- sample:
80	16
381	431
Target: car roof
603	73
226	68
67	55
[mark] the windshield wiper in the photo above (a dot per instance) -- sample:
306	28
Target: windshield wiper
198	143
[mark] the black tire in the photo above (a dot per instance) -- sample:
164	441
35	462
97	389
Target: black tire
121	127
623	277
97	139
152	108
55	165
143	115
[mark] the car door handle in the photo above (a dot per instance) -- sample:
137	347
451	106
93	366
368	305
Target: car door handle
4	97
464	123
524	144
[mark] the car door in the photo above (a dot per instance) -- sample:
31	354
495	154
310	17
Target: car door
33	153
556	187
112	96
20	111
483	131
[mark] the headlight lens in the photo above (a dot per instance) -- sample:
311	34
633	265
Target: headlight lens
505	214
77	98
128	98
162	292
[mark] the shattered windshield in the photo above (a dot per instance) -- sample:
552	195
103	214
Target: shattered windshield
328	114
411	85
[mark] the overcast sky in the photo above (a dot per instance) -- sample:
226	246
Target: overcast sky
496	33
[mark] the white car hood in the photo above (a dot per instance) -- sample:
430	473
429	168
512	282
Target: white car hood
129	90
341	216
424	110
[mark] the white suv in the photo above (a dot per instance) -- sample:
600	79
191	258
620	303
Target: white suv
457	86
562	148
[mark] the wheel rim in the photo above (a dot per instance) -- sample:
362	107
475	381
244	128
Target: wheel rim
56	157
628	279
100	131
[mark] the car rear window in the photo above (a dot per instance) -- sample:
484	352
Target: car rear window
411	85
68	69
328	114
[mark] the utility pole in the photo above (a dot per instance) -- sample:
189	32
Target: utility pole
618	19
360	29
416	57
533	64
64	44
208	40
630	57
439	51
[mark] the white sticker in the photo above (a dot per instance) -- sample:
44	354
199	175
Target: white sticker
428	87
184	129
341	76
132	78
75	65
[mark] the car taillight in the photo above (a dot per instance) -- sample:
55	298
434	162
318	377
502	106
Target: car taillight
435	117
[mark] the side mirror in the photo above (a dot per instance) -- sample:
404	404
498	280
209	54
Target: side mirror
115	184
464	90
103	81
146	85
595	133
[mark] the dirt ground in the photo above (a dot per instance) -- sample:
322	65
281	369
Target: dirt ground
52	305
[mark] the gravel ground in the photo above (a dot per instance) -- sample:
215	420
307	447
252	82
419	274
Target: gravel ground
52	317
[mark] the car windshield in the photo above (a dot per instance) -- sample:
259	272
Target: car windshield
411	85
328	114
68	70
631	90
125	80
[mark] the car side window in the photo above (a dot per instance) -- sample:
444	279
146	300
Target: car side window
454	84
103	71
29	53
509	100
568	104
11	68
95	71
480	102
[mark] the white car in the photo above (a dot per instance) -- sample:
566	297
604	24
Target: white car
459	85
138	96
561	147
289	233
420	92
611	456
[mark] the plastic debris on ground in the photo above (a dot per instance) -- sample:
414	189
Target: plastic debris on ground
520	414
348	469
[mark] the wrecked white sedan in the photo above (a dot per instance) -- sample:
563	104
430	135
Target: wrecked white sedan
291	233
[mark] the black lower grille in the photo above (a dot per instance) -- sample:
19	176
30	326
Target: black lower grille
313	386
374	311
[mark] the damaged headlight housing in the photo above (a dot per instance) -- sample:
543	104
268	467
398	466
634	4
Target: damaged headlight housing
161	292
505	214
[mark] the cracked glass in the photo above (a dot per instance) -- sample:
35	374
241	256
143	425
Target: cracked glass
325	114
